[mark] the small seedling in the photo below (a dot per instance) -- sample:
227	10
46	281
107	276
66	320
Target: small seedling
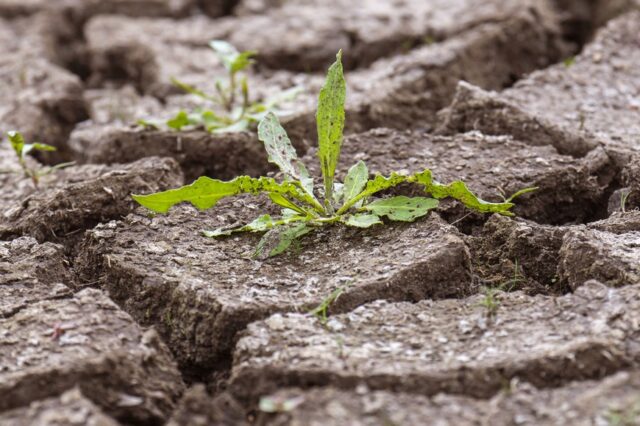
232	109
569	62
23	149
305	207
490	301
624	196
321	310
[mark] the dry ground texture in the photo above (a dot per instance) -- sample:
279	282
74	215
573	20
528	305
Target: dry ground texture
110	315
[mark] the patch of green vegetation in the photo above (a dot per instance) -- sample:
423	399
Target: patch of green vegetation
569	62
305	207
23	149
232	109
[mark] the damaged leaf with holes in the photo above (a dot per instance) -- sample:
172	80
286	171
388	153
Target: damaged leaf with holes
229	108
306	207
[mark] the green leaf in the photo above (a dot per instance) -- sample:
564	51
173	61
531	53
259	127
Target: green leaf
17	142
521	192
286	203
150	123
260	224
205	192
401	208
355	180
232	60
330	123
179	121
278	145
362	220
278	239
190	89
459	191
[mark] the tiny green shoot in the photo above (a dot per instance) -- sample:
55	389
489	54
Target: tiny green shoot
624	196
306	207
22	149
490	300
322	309
232	109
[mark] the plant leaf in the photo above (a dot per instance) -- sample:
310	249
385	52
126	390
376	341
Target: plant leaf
401	208
356	180
286	203
260	224
278	239
330	123
179	121
190	89
17	142
521	192
459	191
205	192
278	145
362	220
232	60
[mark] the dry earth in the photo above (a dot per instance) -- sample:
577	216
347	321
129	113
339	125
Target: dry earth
110	315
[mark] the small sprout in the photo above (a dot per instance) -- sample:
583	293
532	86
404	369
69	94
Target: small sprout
490	300
23	149
231	107
305	207
570	61
320	311
271	404
624	196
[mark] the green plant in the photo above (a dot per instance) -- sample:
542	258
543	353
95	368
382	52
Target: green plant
490	300
321	310
22	149
624	417
232	111
350	203
624	196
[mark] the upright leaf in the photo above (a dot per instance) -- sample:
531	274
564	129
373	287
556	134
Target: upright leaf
356	180
278	145
401	208
330	123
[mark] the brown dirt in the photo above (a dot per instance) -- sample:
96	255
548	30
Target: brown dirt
444	346
199	292
70	408
107	310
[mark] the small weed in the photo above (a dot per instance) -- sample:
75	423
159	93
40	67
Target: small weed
232	109
303	207
23	149
624	196
320	311
490	301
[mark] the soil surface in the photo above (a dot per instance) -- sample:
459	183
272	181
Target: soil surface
111	315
